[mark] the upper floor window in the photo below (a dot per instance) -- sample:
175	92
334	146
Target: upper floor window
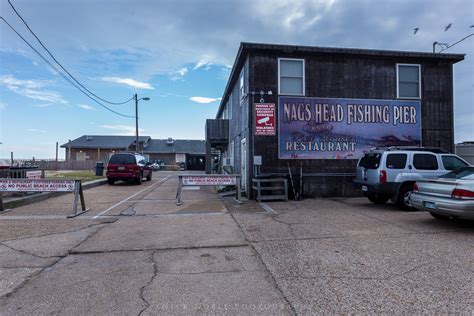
408	81
229	107
225	113
291	76
241	86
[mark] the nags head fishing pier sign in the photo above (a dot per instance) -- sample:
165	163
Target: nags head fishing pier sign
326	128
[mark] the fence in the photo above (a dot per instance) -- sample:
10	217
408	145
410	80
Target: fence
58	165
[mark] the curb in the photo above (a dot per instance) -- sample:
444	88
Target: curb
44	196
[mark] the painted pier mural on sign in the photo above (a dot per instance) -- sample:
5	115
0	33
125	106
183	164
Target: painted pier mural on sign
326	128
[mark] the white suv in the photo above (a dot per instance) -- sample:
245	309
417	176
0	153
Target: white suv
390	173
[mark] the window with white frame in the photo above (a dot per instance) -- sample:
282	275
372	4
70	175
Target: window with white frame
291	76
224	113
242	86
231	153
229	107
408	81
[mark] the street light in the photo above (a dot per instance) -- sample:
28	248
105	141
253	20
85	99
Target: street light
136	117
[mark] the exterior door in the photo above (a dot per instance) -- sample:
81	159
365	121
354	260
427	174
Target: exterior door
81	156
243	164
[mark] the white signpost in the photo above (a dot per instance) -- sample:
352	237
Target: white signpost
208	180
34	174
42	185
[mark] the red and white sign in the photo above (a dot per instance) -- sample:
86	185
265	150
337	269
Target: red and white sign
26	185
265	119
35	174
209	180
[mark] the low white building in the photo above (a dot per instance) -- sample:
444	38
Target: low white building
466	151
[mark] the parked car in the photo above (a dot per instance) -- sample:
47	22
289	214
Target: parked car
155	166
450	195
128	167
390	173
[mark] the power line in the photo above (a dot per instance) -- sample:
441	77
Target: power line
57	62
62	75
449	46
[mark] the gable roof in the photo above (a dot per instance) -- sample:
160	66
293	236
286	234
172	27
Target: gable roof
182	146
105	141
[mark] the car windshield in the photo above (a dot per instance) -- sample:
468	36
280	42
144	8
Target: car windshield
122	159
370	161
465	173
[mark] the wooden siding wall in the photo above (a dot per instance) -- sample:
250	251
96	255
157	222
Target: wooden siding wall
351	76
239	123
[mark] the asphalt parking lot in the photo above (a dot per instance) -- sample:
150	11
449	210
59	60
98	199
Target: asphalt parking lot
136	252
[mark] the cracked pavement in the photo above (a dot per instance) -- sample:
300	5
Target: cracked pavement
145	256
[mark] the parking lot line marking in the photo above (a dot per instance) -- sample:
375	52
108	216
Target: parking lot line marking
130	197
267	208
15	217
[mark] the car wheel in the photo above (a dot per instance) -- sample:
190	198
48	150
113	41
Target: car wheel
378	198
403	200
110	181
139	180
439	216
148	177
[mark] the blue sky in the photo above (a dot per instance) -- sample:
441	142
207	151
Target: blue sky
179	53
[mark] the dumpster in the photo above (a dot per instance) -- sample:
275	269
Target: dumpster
99	168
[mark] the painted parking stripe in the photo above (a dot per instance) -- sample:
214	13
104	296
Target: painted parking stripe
130	197
267	208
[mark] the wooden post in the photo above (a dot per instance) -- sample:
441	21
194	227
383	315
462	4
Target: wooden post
78	196
178	194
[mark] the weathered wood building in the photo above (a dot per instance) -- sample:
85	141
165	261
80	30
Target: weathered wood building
314	110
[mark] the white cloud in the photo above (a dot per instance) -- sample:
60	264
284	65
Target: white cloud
203	63
44	105
204	99
34	130
129	82
183	71
31	89
123	129
86	107
179	74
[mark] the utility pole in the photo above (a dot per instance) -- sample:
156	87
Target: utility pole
136	118
136	121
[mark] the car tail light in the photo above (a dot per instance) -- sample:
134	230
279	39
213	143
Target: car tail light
462	194
383	176
415	188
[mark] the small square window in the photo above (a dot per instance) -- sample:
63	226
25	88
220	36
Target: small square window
408	81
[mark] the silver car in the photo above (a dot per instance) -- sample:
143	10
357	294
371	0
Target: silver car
450	195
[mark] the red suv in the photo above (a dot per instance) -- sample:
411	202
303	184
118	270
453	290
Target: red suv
127	167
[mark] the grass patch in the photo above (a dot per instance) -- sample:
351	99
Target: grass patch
84	175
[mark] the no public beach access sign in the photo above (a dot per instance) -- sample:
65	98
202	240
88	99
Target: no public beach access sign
36	185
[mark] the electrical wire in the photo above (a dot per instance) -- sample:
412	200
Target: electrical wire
60	65
63	75
449	46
